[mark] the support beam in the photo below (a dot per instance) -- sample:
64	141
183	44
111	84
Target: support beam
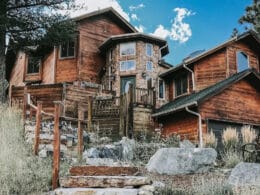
37	127
80	133
90	102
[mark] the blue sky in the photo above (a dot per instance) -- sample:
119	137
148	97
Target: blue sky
187	25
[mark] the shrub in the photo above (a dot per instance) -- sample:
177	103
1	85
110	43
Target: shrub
209	140
248	134
21	172
231	158
230	138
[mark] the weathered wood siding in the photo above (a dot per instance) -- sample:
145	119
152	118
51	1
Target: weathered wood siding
48	68
92	32
239	103
17	73
181	123
210	70
232	60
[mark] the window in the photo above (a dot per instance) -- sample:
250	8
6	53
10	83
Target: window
127	49
242	61
110	78
67	50
161	89
149	49
127	65
181	85
110	55
149	66
33	65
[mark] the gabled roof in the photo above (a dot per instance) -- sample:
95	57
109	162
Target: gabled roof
133	37
190	61
111	12
196	98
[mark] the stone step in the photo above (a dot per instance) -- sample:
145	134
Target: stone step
102	170
95	191
103	181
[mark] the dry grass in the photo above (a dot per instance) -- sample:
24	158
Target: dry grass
21	172
210	140
248	134
230	138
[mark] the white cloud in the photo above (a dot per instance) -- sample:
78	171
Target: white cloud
134	17
140	28
132	7
180	31
94	5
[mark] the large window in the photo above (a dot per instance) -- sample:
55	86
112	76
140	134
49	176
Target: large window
149	49
67	50
181	85
127	49
242	61
127	65
161	89
149	66
33	65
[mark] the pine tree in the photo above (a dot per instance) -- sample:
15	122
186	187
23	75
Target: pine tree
31	22
252	15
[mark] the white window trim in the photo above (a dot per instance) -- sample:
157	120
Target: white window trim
120	49
151	49
248	60
146	66
127	61
164	88
67	57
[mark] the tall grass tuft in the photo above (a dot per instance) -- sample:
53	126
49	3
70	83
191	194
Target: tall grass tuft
248	134
209	140
21	172
230	138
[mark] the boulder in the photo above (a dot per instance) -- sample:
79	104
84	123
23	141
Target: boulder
186	144
173	161
91	153
245	175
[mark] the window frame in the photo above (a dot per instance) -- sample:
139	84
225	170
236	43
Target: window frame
124	44
67	48
147	64
146	50
164	89
248	60
182	77
27	65
120	65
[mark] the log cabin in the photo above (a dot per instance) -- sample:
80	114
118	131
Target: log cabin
213	90
107	56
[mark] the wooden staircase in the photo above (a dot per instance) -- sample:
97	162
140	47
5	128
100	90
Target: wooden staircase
90	180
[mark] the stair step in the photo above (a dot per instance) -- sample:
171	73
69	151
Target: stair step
103	181
95	191
102	170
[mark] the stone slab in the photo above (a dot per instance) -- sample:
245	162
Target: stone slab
103	181
102	170
96	191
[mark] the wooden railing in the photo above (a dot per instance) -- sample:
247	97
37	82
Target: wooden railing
143	97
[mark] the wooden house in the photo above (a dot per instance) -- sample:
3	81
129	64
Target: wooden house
213	90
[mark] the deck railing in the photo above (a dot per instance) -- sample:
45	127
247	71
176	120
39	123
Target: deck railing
143	97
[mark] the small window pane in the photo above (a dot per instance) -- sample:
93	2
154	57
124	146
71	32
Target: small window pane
33	64
161	89
127	49
67	49
149	66
127	65
242	61
149	49
181	85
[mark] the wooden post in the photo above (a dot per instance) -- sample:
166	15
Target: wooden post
122	116
56	147
130	111
37	127
25	102
80	133
90	101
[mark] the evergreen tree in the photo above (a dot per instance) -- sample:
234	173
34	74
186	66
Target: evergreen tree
252	15
31	22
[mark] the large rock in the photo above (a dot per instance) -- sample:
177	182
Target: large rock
128	147
96	191
103	181
245	175
173	161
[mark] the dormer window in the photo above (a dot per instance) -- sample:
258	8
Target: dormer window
149	49
67	50
181	85
127	49
33	64
242	61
